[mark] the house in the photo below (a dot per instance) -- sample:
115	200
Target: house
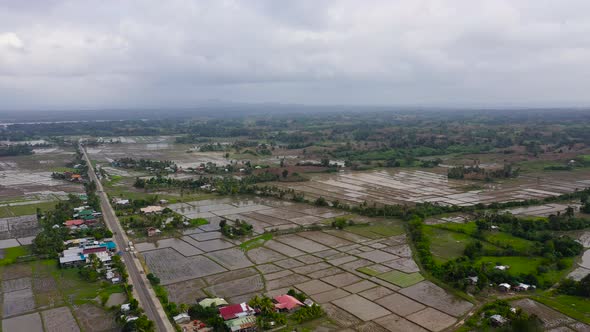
151	209
242	324
522	287
217	302
287	303
152	231
473	280
74	222
125	307
72	257
498	320
308	302
181	318
236	311
76	178
501	267
504	287
119	201
495	228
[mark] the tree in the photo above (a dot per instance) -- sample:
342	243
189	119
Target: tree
285	173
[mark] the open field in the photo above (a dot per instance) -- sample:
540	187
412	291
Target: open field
38	296
417	186
321	263
28	178
550	317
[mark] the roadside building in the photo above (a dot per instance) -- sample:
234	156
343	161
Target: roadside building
234	311
73	222
242	324
181	318
152	231
216	302
498	320
152	209
287	303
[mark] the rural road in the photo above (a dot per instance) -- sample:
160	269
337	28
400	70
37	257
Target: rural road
141	287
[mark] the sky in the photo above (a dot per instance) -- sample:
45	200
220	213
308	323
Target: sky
60	54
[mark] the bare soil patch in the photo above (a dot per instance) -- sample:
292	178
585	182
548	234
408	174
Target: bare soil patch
311	268
360	286
431	295
186	291
361	307
18	302
59	320
212	245
287	281
394	323
302	243
232	258
403	264
309	259
283	248
268	268
325	239
263	255
314	287
342	279
378	256
237	287
325	273
230	275
170	266
400	305
95	319
289	263
432	319
341	317
29	323
375	293
330	295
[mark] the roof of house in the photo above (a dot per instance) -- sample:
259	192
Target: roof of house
505	285
151	209
241	323
94	250
85	212
287	302
74	222
215	301
235	311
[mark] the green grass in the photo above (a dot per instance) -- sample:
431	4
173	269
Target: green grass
62	169
256	242
368	271
469	228
198	222
79	290
401	279
11	254
376	231
446	245
526	265
21	210
502	239
573	306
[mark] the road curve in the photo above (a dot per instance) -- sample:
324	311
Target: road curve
141	287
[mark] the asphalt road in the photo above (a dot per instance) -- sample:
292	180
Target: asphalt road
147	299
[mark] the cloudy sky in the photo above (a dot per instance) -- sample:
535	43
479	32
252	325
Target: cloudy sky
59	54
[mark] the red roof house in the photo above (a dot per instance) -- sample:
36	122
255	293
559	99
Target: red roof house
93	250
75	222
287	302
236	311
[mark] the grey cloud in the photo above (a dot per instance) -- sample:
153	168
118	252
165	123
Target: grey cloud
70	54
